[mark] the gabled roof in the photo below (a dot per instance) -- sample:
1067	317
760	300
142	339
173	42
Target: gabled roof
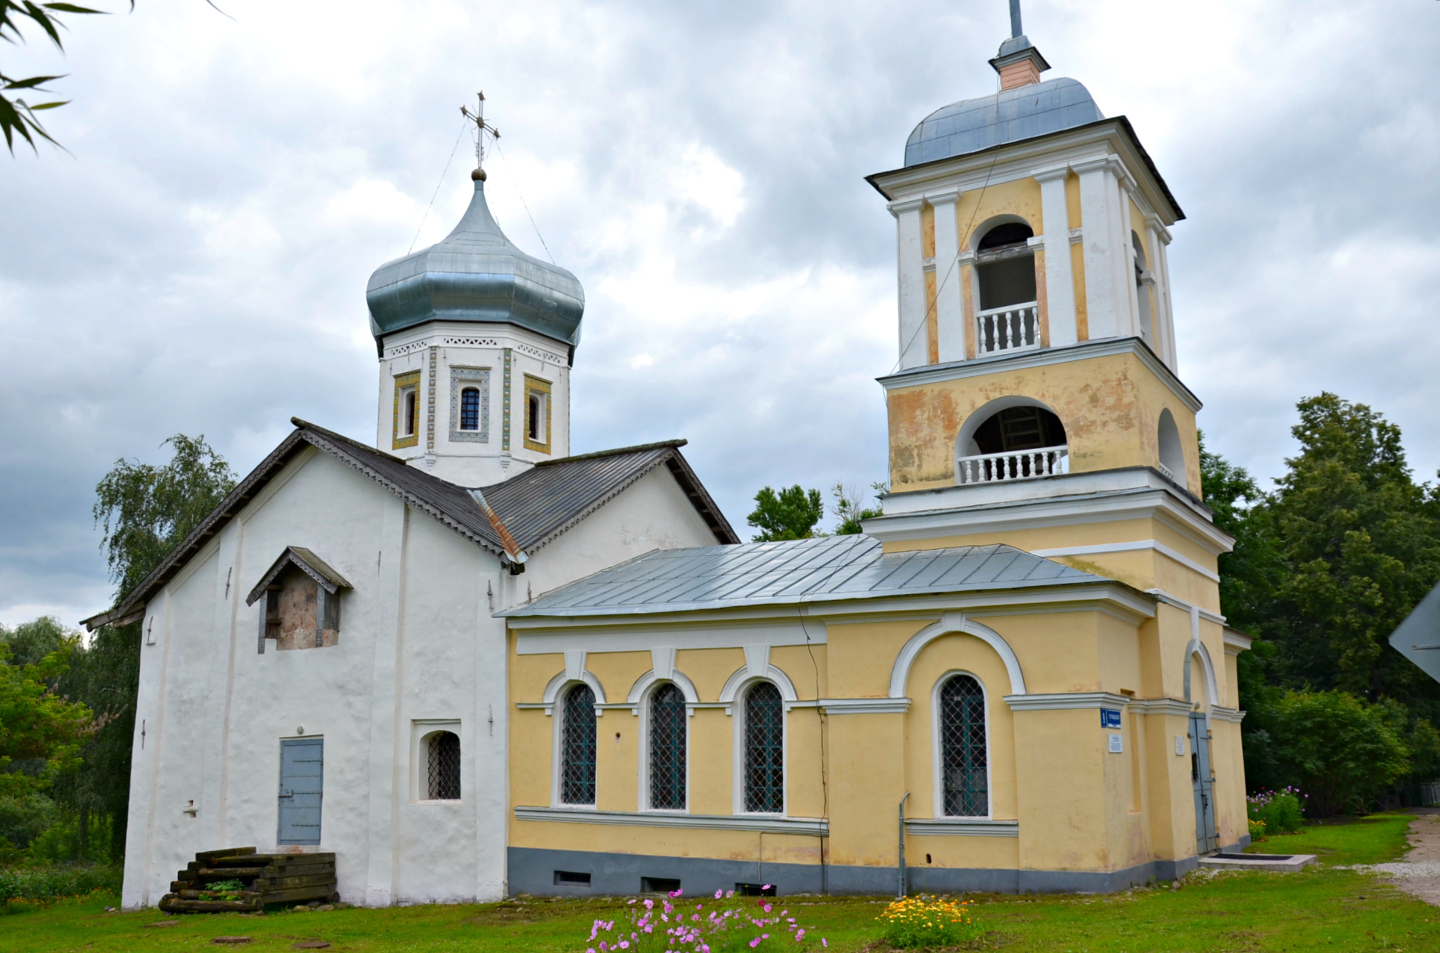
308	563
545	501
794	572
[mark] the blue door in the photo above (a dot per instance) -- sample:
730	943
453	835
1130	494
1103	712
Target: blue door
302	774
1203	779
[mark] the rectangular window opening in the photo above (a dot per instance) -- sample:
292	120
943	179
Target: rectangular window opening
406	429
659	884
537	414
571	878
755	890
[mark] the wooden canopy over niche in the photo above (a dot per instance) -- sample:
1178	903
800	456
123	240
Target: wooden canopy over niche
302	601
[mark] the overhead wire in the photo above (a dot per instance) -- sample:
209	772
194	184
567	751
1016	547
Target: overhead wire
516	187
453	150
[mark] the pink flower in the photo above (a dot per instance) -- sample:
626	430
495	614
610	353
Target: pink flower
766	908
766	887
754	943
649	904
719	894
824	942
624	944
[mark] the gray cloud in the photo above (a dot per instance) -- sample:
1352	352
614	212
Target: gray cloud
199	264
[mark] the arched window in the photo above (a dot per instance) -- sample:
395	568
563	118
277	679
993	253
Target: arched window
764	750
411	422
470	408
443	766
1172	456
964	775
1006	314
667	748
577	747
1014	442
1143	281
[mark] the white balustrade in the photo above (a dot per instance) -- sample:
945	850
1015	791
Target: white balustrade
1015	465
1015	327
1166	470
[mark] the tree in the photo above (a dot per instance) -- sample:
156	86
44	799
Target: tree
40	729
790	514
1343	753
144	511
850	512
17	118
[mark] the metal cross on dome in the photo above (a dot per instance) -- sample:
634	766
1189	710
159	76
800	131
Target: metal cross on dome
482	127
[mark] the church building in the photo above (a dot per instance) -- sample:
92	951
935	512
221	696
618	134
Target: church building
472	665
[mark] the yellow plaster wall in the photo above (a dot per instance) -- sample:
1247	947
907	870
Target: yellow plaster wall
1082	313
977	207
1072	200
861	655
1110	406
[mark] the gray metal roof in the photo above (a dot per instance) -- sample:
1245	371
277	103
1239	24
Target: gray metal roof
799	571
1007	116
541	503
476	274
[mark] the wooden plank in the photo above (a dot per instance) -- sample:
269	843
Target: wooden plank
228	873
206	856
318	892
299	870
171	904
286	882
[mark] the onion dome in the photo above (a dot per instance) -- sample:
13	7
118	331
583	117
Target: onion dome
476	274
1024	112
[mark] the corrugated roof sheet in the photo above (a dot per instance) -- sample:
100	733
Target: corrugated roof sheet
799	571
535	506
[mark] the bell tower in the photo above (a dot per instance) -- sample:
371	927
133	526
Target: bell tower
1036	398
475	339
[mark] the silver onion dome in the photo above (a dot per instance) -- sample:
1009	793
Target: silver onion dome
476	274
1011	115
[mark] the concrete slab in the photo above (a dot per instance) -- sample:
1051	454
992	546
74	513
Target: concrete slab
1281	863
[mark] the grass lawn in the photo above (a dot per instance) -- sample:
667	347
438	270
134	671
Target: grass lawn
1322	908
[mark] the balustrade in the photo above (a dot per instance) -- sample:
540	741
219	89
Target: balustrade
1015	327
1014	465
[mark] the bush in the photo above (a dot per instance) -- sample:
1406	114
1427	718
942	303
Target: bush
929	921
1278	812
1257	830
1342	751
26	887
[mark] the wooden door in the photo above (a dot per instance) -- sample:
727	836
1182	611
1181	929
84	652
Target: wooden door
1206	840
302	775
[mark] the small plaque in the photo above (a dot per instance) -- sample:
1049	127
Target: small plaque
1109	718
1117	744
1179	746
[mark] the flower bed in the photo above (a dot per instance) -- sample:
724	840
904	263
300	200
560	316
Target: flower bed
720	924
1278	812
930	921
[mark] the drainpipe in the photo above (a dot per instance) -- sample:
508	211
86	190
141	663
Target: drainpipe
900	891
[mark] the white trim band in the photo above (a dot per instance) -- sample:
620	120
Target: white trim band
864	706
1135	546
961	826
1064	701
757	823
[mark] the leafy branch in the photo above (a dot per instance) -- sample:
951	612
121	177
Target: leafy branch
18	118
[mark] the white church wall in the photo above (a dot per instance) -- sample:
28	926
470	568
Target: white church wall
653	513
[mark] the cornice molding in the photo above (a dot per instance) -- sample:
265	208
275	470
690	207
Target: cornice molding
1162	706
865	706
1232	715
1065	701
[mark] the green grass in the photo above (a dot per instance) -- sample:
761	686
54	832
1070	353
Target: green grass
1344	840
1322	908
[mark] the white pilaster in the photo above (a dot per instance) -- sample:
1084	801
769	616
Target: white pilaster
1059	277
949	304
1127	241
1106	300
385	760
914	343
1164	318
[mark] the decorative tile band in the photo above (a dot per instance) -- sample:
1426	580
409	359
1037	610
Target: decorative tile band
505	405
430	405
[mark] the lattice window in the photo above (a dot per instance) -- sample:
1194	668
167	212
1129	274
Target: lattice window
444	766
962	748
764	750
577	752
470	408
667	749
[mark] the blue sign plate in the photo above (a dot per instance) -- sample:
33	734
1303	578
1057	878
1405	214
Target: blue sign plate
1109	718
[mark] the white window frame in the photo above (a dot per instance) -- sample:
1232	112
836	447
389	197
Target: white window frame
742	697
420	730
937	754
557	745
644	710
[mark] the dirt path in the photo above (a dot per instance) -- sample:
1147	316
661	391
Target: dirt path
1419	873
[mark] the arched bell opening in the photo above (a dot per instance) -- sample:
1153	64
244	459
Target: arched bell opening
1144	281
1172	454
1013	438
1007	315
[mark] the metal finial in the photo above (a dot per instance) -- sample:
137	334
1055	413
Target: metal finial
481	128
1015	28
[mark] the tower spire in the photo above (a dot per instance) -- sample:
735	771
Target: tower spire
481	128
1018	63
1015	28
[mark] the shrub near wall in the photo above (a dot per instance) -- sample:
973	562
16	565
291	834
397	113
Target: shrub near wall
1277	812
1343	752
24	888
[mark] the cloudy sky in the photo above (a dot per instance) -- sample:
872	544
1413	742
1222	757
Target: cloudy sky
197	262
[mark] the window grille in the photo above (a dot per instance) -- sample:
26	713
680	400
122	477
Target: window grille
577	767
667	749
470	409
764	750
962	748
444	766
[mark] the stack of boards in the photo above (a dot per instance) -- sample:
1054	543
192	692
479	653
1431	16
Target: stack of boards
267	878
